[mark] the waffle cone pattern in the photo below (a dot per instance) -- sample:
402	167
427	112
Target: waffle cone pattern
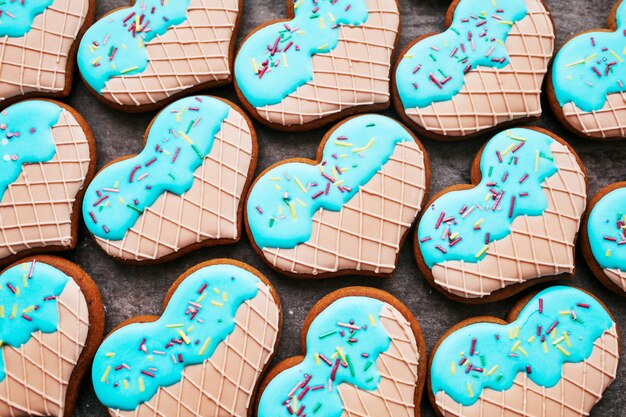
38	373
366	234
355	73
608	122
37	209
617	277
579	389
193	53
491	96
537	246
224	384
208	211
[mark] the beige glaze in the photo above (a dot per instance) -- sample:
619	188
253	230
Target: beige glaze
617	277
607	123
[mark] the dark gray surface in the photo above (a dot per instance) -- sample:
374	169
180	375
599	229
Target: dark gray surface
131	290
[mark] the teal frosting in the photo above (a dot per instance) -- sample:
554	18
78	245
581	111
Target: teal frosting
559	325
460	225
17	16
28	294
284	200
591	66
278	58
606	229
434	69
179	139
25	137
136	360
343	344
115	45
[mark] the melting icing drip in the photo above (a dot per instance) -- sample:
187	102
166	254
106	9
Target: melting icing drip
17	16
607	230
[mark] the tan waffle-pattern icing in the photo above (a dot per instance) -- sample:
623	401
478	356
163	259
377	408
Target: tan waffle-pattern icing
365	235
579	389
355	73
38	372
224	384
606	123
538	246
617	277
193	53
208	211
491	96
36	210
37	62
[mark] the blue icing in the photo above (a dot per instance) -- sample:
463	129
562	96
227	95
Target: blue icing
606	230
335	355
573	318
16	17
460	225
28	303
591	66
115	45
277	59
179	139
434	69
25	137
136	360
284	200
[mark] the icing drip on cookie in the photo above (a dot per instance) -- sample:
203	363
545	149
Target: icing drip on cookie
28	294
460	225
25	137
434	69
284	200
591	66
16	16
343	345
607	230
559	325
277	59
138	359
180	138
115	45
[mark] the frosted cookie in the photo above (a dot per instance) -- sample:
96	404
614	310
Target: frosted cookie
141	57
47	155
38	43
554	356
202	357
586	87
328	59
363	355
515	226
183	191
485	70
51	323
348	211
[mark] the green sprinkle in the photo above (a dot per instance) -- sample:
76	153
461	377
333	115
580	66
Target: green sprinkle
433	57
350	367
370	125
317	407
191	122
368	365
134	208
330	333
195	148
490	171
172	176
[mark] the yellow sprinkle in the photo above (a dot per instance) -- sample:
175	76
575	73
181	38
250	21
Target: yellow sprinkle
531	339
479	222
300	32
516	331
113	65
509	149
506	22
536	160
567	341
302	203
199	300
225	296
277	187
217	304
1	312
255	66
545	347
292	208
454	236
275	178
515	346
492	370
280	210
366	147
342	143
126	386
520	349
105	375
331	17
565	312
25	279
173	326
140	42
559	340
190	329
482	251
216	291
184	136
141	386
338	183
470	390
562	349
590	57
28	309
321	23
453	368
408	56
110	354
184	337
372	321
14	313
95	61
573	64
324	46
205	346
124	71
608	253
343	156
334	173
340	352
511	337
317	359
284	60
295	6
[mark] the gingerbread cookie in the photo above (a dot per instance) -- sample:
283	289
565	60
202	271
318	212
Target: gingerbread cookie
47	155
363	355
485	70
51	323
556	355
182	191
38	43
515	226
349	211
202	357
142	57
329	59
586	87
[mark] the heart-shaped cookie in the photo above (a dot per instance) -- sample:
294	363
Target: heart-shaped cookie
486	69
51	323
203	356
347	212
329	59
513	227
38	43
556	355
141	57
363	355
47	154
182	191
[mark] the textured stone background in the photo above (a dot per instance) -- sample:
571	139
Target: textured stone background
132	290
